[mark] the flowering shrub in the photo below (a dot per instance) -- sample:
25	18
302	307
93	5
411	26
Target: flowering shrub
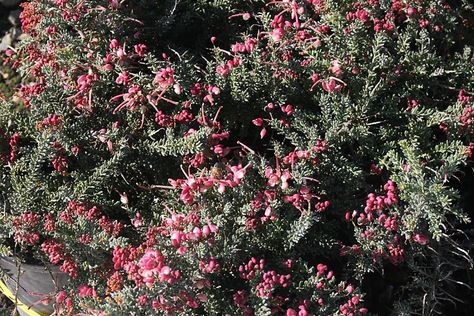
272	166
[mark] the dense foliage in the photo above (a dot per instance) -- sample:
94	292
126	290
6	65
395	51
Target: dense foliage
242	157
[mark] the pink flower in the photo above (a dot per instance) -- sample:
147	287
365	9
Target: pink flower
176	238
278	176
421	239
164	77
151	260
86	291
61	297
291	312
122	78
238	172
336	68
114	44
140	49
150	264
277	34
331	85
288	109
137	221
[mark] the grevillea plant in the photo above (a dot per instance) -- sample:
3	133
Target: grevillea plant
294	157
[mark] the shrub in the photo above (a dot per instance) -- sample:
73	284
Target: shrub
271	164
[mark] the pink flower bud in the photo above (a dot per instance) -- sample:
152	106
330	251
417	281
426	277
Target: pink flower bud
124	198
269	107
177	88
176	238
349	289
412	11
197	232
213	228
258	121
165	270
206	231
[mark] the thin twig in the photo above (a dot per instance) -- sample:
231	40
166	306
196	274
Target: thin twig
155	186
